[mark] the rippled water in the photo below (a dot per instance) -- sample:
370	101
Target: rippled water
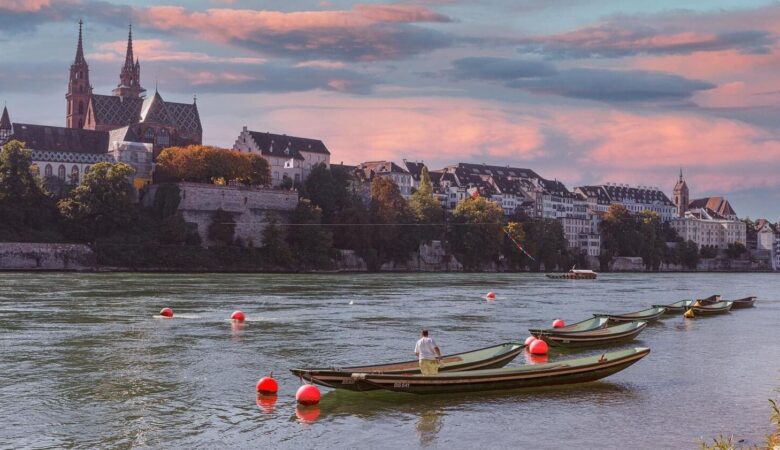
85	363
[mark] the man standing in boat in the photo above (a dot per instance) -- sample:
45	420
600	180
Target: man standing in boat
428	353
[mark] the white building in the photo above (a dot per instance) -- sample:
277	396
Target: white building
635	199
289	156
768	238
707	228
582	235
387	169
139	156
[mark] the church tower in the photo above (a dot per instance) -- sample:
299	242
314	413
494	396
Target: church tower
79	89
6	128
130	76
680	195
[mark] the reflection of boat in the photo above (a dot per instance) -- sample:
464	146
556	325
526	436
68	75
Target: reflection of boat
746	302
574	274
594	323
711	309
341	377
676	307
624	332
571	371
647	315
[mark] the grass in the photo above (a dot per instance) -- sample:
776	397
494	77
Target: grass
772	440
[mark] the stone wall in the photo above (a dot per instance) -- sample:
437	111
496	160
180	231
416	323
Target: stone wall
251	207
634	264
34	256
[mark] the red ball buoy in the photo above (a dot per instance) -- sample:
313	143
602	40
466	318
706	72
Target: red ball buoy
267	385
539	347
238	316
308	395
529	340
558	323
491	295
166	312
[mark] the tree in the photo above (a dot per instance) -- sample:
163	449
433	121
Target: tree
103	203
275	247
310	242
476	235
652	242
547	244
427	209
394	237
736	250
259	172
688	254
222	228
204	164
27	212
515	233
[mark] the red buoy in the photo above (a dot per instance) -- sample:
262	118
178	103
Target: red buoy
238	316
308	395
166	312
267	385
529	340
491	295
538	347
558	323
307	414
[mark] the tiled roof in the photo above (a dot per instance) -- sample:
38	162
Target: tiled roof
414	168
60	139
283	146
371	168
507	171
123	134
761	223
719	205
118	111
122	111
185	115
597	192
555	187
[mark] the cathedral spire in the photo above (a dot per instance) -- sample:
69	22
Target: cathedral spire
6	129
129	59
130	76
79	89
80	48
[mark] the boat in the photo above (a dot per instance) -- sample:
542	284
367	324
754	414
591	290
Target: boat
676	307
711	309
484	358
572	371
594	323
648	315
709	300
625	332
746	302
574	274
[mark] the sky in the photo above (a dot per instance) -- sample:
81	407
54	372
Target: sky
582	92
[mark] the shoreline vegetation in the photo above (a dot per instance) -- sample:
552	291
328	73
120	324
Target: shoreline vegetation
727	442
333	227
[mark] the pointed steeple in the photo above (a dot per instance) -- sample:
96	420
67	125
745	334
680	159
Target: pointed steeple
6	129
129	59
80	48
130	76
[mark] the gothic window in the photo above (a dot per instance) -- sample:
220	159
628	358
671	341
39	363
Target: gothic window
81	107
61	172
47	171
163	138
74	174
149	134
86	169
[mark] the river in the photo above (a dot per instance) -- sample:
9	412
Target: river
85	364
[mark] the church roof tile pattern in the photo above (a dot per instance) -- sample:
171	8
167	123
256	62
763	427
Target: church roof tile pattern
122	111
60	139
718	205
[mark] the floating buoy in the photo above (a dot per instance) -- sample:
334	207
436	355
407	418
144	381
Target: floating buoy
308	395
539	347
166	312
491	295
558	323
307	414
267	402
688	314
267	385
238	316
529	340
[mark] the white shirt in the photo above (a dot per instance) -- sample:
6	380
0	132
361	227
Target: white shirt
425	348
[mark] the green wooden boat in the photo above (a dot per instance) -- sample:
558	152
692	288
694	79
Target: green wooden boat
647	315
572	371
625	332
740	303
709	310
341	377
593	323
676	307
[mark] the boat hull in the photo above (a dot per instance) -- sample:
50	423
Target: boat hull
605	336
713	309
595	323
571	276
742	303
677	307
648	315
526	377
341	378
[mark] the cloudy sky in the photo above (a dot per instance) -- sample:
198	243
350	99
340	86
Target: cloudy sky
582	91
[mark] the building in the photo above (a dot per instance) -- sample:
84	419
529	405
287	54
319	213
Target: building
681	196
289	156
716	206
6	127
634	199
151	120
768	240
365	173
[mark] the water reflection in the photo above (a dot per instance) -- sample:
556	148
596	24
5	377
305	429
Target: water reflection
307	414
267	403
428	426
530	358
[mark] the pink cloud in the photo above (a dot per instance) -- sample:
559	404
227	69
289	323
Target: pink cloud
24	5
159	50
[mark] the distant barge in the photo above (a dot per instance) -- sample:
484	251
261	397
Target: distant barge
574	274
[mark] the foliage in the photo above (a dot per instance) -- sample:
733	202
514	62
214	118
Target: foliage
736	250
102	204
222	228
204	164
643	235
546	243
275	247
166	200
427	209
327	189
476	235
393	238
708	252
309	241
652	243
28	214
688	254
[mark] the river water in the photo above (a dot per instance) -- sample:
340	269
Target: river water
85	364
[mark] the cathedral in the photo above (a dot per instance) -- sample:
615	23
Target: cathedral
128	114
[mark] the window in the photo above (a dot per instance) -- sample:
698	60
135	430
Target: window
47	171
149	134
163	138
74	174
81	107
86	169
61	172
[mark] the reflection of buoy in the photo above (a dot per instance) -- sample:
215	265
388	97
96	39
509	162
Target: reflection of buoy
307	414
308	395
529	340
166	312
558	323
538	347
238	316
535	359
267	385
491	295
267	402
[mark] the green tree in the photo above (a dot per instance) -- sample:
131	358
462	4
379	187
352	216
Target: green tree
651	239
547	244
275	248
103	203
427	209
309	241
393	237
476	234
515	257
27	212
688	254
735	250
258	171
